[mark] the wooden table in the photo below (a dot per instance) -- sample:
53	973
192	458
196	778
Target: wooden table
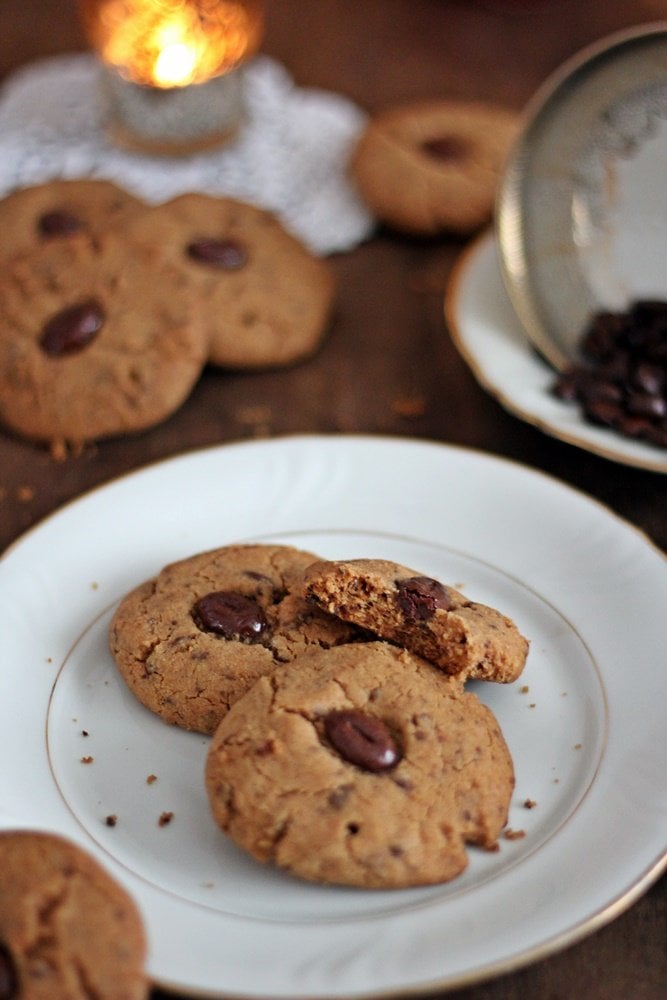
389	333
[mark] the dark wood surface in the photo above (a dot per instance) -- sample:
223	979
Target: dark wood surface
389	340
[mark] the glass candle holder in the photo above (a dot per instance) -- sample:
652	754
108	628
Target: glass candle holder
173	69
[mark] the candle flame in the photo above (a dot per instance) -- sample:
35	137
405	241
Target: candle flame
173	43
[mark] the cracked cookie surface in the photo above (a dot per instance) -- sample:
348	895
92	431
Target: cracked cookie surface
437	622
67	928
191	641
288	776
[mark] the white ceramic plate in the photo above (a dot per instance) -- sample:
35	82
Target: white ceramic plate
582	207
585	724
489	336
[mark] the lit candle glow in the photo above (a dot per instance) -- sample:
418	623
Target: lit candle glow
174	43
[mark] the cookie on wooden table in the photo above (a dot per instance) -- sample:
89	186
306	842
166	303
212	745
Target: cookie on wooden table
434	166
437	622
59	209
67	928
360	765
191	641
97	339
267	298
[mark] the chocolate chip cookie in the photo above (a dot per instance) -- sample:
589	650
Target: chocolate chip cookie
360	765
67	928
267	300
459	636
434	166
192	640
58	209
97	338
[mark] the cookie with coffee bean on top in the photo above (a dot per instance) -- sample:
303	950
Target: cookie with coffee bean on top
191	640
360	765
267	299
462	637
434	166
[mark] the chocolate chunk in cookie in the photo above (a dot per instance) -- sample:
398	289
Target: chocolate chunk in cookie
360	765
434	621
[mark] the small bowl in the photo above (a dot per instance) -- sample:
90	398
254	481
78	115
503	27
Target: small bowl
581	214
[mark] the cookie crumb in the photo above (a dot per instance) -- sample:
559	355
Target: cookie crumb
578	746
165	818
510	834
524	689
84	732
529	803
111	820
151	779
87	760
409	407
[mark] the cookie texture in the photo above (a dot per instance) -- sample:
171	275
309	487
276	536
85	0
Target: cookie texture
365	766
67	928
59	209
434	166
192	640
434	621
267	300
97	338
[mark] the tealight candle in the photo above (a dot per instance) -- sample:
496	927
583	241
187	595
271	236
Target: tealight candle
173	68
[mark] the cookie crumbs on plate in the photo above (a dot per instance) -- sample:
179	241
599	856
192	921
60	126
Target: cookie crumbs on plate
577	746
84	732
165	818
510	834
151	779
111	820
524	689
529	804
87	760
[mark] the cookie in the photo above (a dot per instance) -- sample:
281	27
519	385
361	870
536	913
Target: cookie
267	300
96	339
67	928
365	766
59	209
459	636
434	166
191	641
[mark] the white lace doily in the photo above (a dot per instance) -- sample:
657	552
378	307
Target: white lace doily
289	157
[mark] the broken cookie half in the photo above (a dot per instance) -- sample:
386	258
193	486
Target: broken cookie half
432	620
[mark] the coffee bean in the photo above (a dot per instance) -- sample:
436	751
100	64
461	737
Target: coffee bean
72	329
447	147
9	984
227	255
419	596
231	615
362	740
58	223
624	386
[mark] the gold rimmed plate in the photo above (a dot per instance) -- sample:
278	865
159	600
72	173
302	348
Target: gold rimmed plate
489	336
586	733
